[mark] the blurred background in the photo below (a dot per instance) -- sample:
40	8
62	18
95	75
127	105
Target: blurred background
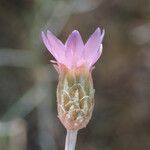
28	116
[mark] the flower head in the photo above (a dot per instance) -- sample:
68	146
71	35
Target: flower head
74	53
74	62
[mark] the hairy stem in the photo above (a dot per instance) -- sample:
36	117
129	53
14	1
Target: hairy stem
71	138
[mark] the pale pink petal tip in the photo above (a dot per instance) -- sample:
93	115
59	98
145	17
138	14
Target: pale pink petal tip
74	41
54	45
74	53
93	47
74	48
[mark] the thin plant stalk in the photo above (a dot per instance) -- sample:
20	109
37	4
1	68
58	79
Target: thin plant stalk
71	138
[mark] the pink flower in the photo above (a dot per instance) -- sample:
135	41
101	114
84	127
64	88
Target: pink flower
74	53
74	62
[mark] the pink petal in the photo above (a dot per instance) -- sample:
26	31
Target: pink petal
47	43
57	47
74	46
97	56
92	49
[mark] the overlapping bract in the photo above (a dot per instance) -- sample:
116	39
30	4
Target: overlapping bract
74	52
